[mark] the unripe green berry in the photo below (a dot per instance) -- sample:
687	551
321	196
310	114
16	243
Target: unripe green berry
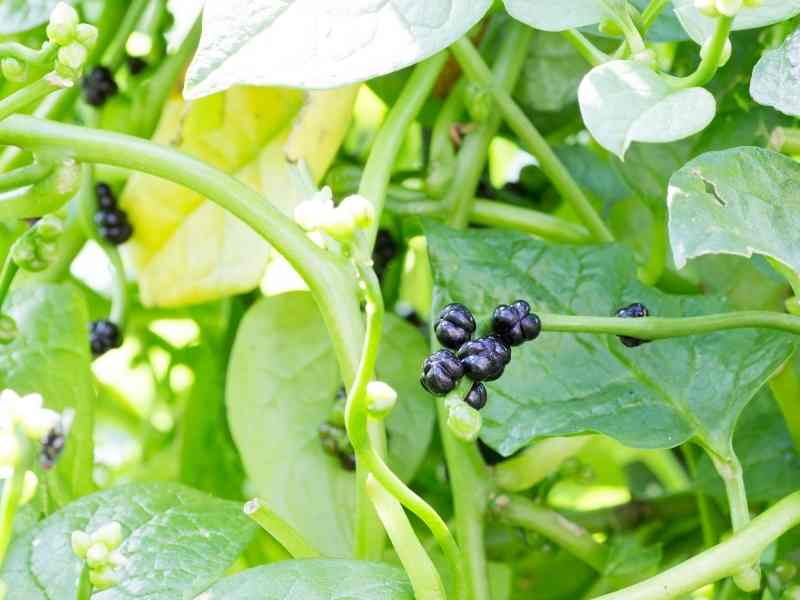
381	398
63	23
97	555
463	420
50	227
8	329
729	8
707	7
81	542
14	70
727	50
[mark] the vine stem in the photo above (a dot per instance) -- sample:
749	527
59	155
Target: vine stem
703	506
536	462
652	11
286	535
26	175
723	560
115	52
710	63
477	70
657	328
12	492
25	96
593	55
522	512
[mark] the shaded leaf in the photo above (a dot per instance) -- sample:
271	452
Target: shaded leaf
776	78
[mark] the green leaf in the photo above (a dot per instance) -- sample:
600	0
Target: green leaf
311	44
655	396
282	383
769	459
742	201
625	101
700	27
17	16
551	74
178	542
776	78
316	580
50	356
558	16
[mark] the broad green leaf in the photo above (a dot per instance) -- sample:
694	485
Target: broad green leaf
769	459
50	356
316	580
655	396
742	201
17	16
776	78
311	44
551	74
625	101
558	16
178	542
186	248
700	27
282	383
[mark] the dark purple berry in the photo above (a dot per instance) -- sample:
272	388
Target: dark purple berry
515	324
633	311
485	359
52	447
136	65
109	218
117	235
441	372
105	197
476	397
455	326
104	335
98	86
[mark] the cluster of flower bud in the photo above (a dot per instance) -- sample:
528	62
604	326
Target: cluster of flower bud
37	248
75	40
340	222
724	8
101	552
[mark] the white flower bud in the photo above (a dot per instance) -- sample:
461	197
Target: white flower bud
102	579
29	484
37	422
139	44
109	535
362	210
381	398
87	35
339	224
97	555
707	7
81	541
73	56
117	559
310	213
727	50
63	23
729	8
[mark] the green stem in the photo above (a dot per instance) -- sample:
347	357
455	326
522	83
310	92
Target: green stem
25	96
722	560
7	274
84	591
537	462
593	55
654	268
666	468
12	492
421	571
656	328
522	512
328	277
115	52
785	387
287	536
703	507
441	165
476	69
709	65
25	175
28	55
652	11
378	170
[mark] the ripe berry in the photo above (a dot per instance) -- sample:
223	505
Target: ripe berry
98	86
634	311
485	359
441	372
515	324
105	197
104	336
455	326
136	65
114	225
476	397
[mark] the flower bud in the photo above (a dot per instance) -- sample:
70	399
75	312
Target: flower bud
14	70
8	329
117	559
360	208
81	542
707	7
139	44
50	227
726	51
102	579
110	535
37	422
381	398
87	35
729	8
29	484
309	213
63	23
339	224
463	420
73	56
97	555
646	56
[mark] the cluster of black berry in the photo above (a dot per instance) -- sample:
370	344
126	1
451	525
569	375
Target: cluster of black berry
112	221
104	335
333	435
481	359
98	86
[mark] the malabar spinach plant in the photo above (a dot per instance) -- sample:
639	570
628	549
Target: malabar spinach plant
382	300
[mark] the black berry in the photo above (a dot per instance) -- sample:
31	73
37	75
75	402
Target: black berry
515	324
485	359
136	65
455	326
105	197
104	335
441	372
114	226
52	447
476	397
385	251
98	86
634	311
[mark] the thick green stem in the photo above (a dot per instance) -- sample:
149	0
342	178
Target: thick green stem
652	11
115	52
522	512
28	55
722	560
785	387
378	170
476	69
785	140
25	175
418	565
25	96
656	328
9	502
287	536
537	462
593	55
703	507
710	63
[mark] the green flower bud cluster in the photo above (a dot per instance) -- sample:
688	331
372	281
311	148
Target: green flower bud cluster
339	222
381	399
74	40
724	8
38	247
101	552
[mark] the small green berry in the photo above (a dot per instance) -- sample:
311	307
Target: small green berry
14	70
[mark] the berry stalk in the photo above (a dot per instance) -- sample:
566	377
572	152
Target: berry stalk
287	536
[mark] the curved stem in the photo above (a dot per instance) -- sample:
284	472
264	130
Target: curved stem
421	571
593	55
378	169
25	96
522	512
476	69
287	536
652	11
722	560
536	462
25	175
328	277
9	502
710	63
28	55
703	507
